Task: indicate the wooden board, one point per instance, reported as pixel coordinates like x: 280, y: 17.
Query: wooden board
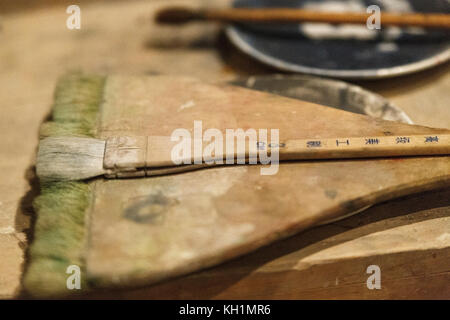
x: 45, y: 49
x: 172, y: 225
x: 330, y: 262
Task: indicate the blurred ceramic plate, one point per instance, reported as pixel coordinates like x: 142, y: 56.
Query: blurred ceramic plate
x: 327, y: 92
x: 344, y: 51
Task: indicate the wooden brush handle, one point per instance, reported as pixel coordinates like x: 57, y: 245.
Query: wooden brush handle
x: 365, y: 147
x: 130, y: 156
x: 299, y: 15
x: 285, y: 15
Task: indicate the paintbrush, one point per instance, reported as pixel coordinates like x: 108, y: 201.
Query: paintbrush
x: 73, y: 158
x: 181, y: 15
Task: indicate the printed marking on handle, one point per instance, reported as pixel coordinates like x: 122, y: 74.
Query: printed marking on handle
x: 398, y: 141
x: 349, y: 147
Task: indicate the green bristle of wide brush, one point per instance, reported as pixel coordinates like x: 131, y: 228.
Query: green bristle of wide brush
x: 59, y: 236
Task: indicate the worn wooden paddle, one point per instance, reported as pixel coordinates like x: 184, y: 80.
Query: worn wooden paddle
x: 132, y: 232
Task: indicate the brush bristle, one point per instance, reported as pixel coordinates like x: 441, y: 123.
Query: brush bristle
x: 70, y: 158
x: 176, y: 16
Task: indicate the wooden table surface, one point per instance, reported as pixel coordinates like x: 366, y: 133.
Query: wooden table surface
x: 325, y: 262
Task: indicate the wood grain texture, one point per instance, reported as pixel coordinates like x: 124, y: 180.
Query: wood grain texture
x: 328, y: 262
x: 177, y: 224
x: 134, y: 47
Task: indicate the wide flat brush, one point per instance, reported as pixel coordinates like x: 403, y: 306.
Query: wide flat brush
x: 72, y: 158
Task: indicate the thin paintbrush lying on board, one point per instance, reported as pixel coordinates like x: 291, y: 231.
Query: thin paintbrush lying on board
x: 70, y: 158
x: 180, y: 15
